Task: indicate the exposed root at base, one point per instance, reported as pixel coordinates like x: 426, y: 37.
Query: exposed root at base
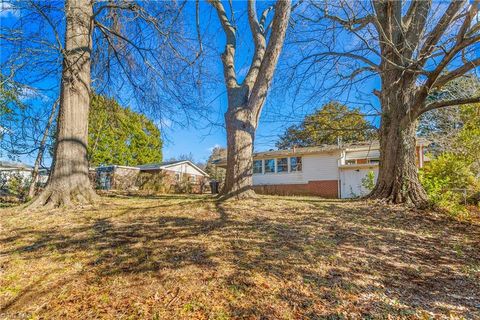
x: 409, y: 200
x: 52, y: 198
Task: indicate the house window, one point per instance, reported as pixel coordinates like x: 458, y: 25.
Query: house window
x: 351, y: 161
x: 193, y: 178
x: 282, y: 165
x: 374, y: 161
x: 257, y: 166
x: 269, y: 165
x: 295, y: 164
x: 177, y: 176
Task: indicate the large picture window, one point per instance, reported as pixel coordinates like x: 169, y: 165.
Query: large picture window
x: 295, y: 164
x: 282, y: 165
x: 269, y: 165
x: 257, y: 166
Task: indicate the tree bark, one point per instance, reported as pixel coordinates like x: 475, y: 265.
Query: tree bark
x: 33, y: 185
x: 240, y: 138
x: 246, y: 100
x: 69, y: 183
x: 398, y: 180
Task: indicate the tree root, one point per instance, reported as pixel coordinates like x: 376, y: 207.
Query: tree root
x: 411, y: 198
x: 55, y: 197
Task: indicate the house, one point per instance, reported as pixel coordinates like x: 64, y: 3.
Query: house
x: 114, y: 177
x: 329, y: 171
x: 21, y: 171
x: 179, y: 174
x: 171, y: 174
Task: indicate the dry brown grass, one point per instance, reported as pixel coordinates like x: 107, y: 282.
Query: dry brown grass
x: 174, y: 257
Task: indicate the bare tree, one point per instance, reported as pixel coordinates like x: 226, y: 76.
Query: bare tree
x: 246, y: 99
x: 124, y: 50
x: 414, y: 48
x: 69, y: 174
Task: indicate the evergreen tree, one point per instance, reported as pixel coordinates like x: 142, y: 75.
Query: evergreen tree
x: 121, y: 136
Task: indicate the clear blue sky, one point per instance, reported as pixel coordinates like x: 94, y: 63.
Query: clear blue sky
x: 204, y: 133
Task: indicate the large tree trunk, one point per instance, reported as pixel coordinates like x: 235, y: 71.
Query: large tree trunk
x: 69, y: 183
x: 398, y: 175
x: 240, y: 138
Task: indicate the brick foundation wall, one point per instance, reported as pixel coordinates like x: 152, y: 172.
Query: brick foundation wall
x: 323, y: 188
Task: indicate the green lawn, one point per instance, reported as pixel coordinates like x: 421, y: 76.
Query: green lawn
x: 174, y: 257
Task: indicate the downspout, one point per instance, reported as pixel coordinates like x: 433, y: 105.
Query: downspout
x: 339, y: 163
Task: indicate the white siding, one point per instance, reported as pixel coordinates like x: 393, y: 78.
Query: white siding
x: 322, y: 166
x: 184, y: 168
x: 351, y: 181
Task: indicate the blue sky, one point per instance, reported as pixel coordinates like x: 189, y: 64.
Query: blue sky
x: 282, y: 108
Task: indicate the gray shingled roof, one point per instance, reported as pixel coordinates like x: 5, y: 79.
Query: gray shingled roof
x: 14, y: 165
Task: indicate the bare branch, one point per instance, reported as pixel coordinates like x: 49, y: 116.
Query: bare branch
x: 447, y: 103
x: 469, y: 65
x: 434, y: 36
x: 272, y: 54
x: 228, y: 56
x: 259, y: 42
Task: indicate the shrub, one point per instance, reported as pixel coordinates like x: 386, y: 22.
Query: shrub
x: 184, y: 185
x: 368, y: 182
x: 156, y: 182
x: 16, y: 185
x: 444, y: 180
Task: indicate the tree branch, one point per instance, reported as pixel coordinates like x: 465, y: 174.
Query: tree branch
x: 228, y: 56
x: 414, y: 23
x: 272, y: 54
x: 447, y: 103
x: 456, y: 73
x: 259, y: 42
x: 347, y: 55
x: 435, y: 35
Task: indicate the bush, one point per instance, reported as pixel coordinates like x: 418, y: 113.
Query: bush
x: 16, y: 185
x: 157, y: 182
x: 368, y: 182
x: 445, y: 178
x: 184, y: 185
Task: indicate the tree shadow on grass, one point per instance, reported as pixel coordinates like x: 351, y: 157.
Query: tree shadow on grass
x: 316, y: 257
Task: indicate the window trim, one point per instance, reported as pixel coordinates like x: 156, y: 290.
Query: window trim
x: 274, y: 166
x: 262, y: 167
x: 296, y: 164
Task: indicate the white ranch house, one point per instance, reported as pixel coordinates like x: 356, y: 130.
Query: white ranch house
x: 329, y: 171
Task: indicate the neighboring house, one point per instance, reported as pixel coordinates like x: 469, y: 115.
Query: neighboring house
x: 180, y: 172
x: 10, y: 170
x: 174, y: 173
x: 329, y: 171
x: 115, y: 177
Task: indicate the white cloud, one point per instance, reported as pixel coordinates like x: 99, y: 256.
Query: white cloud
x: 215, y: 146
x: 163, y: 123
x: 7, y: 10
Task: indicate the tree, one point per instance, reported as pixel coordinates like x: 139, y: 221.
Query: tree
x: 215, y: 172
x: 442, y: 126
x: 246, y: 98
x: 121, y: 136
x: 414, y: 48
x: 328, y: 125
x: 41, y: 149
x: 69, y: 174
x: 122, y: 45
